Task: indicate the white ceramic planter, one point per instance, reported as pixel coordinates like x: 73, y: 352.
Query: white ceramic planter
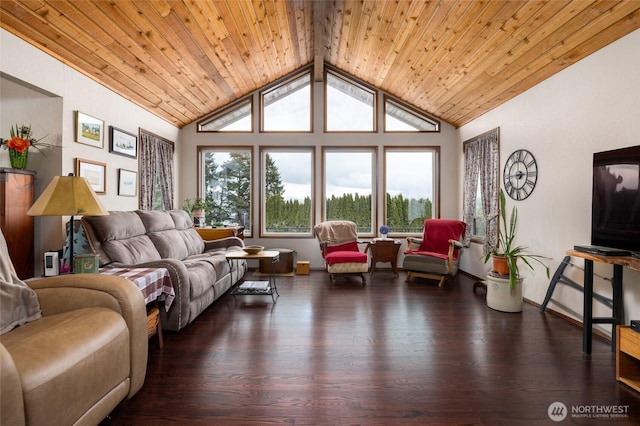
x: 502, y: 298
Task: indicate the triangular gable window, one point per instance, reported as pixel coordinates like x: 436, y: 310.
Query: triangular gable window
x: 236, y: 118
x: 399, y: 117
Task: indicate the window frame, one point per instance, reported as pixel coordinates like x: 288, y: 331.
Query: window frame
x: 202, y: 149
x: 410, y: 109
x: 357, y: 83
x: 263, y: 150
x: 436, y: 182
x: 374, y: 173
x: 276, y: 85
x: 224, y: 111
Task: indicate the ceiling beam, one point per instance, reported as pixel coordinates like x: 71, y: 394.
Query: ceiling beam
x: 318, y: 40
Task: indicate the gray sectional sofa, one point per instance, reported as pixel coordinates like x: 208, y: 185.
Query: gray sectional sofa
x: 199, y: 271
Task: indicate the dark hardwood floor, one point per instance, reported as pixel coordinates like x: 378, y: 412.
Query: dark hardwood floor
x: 387, y: 353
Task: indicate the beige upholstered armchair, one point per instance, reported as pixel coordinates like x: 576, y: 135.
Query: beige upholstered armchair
x: 71, y: 346
x: 339, y: 245
x: 437, y: 254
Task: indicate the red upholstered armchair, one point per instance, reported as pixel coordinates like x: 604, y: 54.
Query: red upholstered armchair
x: 436, y: 255
x: 339, y: 245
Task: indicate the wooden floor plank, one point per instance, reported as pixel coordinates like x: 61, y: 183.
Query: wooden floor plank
x: 385, y: 353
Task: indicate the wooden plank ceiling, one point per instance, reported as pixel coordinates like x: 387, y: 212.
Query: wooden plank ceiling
x: 182, y: 59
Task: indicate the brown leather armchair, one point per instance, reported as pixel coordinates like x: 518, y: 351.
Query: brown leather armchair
x: 87, y: 353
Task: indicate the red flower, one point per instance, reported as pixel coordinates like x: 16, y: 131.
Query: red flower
x: 19, y: 144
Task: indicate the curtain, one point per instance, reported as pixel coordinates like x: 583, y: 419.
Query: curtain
x: 481, y: 162
x: 156, y: 172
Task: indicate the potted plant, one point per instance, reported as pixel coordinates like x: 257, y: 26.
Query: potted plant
x: 507, y: 253
x: 197, y: 207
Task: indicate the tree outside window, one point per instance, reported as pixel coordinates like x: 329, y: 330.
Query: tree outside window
x: 227, y: 186
x: 348, y: 186
x: 287, y: 191
x: 409, y: 188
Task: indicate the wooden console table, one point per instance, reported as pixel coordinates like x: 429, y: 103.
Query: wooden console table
x: 209, y: 234
x: 617, y: 317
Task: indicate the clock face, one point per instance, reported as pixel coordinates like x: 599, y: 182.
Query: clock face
x: 520, y: 174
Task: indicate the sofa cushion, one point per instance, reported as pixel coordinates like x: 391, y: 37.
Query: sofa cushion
x: 169, y: 244
x: 191, y: 238
x: 202, y: 274
x: 193, y: 241
x: 121, y: 237
x: 69, y: 361
x: 132, y: 250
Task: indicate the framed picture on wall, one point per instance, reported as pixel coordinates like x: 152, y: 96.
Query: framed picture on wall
x: 96, y: 174
x: 89, y: 130
x: 127, y: 183
x: 123, y: 143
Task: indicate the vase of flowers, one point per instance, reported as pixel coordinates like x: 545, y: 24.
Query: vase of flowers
x: 18, y: 145
x: 384, y: 230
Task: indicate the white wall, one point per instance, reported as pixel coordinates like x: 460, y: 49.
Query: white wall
x: 37, y: 89
x: 307, y: 248
x: 591, y: 106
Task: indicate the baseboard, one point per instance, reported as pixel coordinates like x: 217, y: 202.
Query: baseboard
x: 569, y: 319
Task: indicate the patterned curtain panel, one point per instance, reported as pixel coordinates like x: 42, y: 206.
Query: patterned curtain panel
x: 156, y: 173
x: 482, y: 162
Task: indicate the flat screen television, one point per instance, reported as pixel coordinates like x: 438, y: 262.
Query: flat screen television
x: 615, y: 218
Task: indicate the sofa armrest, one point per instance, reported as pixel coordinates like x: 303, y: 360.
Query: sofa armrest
x: 11, y: 398
x: 223, y: 243
x: 413, y: 243
x: 178, y: 315
x: 65, y: 293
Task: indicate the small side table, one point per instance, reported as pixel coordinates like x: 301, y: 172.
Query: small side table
x: 255, y: 288
x: 384, y: 251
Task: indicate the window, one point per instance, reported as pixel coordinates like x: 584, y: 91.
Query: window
x: 156, y: 172
x: 410, y: 188
x: 349, y: 106
x: 399, y: 117
x: 236, y: 118
x: 349, y: 186
x: 478, y: 227
x: 287, y: 106
x: 226, y: 185
x: 480, y: 186
x: 287, y: 193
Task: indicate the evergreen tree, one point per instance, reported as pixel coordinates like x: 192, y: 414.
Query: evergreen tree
x: 273, y: 180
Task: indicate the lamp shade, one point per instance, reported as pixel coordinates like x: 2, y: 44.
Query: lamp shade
x: 68, y: 196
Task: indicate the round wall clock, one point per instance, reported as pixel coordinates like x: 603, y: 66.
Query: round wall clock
x: 520, y: 174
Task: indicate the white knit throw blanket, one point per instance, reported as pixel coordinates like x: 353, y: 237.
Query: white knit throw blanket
x: 18, y: 302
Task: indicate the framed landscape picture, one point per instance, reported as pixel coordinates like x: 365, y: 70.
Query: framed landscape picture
x: 96, y: 174
x: 123, y: 143
x: 127, y: 183
x: 89, y: 130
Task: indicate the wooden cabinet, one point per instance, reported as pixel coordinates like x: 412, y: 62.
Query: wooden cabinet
x: 628, y: 357
x: 16, y: 197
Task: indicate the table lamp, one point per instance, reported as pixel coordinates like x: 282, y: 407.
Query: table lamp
x: 68, y: 196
